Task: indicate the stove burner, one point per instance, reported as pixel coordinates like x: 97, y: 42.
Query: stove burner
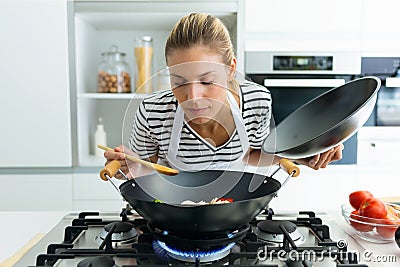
x: 192, y: 256
x: 269, y: 231
x: 196, y: 247
x: 124, y: 233
x: 100, y: 261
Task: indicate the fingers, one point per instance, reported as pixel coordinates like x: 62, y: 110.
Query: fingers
x: 130, y: 168
x: 119, y: 149
x: 327, y: 157
x: 117, y: 154
x: 126, y: 171
x: 112, y: 155
x: 338, y: 153
x: 314, y: 161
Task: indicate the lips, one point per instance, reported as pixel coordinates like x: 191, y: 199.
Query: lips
x: 197, y: 111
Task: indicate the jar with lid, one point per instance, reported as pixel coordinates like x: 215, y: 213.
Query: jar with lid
x: 114, y: 74
x: 144, y: 57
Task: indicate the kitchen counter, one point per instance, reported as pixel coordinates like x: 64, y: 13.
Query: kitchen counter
x: 18, y: 228
x: 32, y: 223
x: 372, y: 254
x: 327, y: 189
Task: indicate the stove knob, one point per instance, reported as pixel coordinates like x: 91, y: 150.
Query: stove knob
x: 397, y: 237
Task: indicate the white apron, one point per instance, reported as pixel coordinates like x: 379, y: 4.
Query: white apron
x: 176, y: 136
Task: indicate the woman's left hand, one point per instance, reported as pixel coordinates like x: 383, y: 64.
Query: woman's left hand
x: 322, y: 160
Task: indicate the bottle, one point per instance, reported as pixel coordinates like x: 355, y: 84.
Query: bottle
x: 100, y: 138
x: 144, y: 58
x: 113, y: 75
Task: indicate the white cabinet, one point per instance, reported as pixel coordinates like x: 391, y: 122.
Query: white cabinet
x: 378, y: 146
x: 93, y: 194
x: 381, y: 31
x: 309, y: 25
x: 35, y: 99
x: 96, y: 26
x: 368, y: 26
x: 302, y: 16
x: 38, y: 191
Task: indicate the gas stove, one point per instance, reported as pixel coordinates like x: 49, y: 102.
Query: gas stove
x: 126, y: 239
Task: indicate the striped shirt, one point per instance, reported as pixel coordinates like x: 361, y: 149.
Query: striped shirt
x: 151, y: 131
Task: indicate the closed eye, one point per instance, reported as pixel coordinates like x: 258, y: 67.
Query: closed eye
x: 207, y: 83
x: 178, y: 84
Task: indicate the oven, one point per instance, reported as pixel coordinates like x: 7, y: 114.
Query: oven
x: 387, y: 111
x: 296, y: 78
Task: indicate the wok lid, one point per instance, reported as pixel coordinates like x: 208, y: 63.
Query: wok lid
x: 325, y: 121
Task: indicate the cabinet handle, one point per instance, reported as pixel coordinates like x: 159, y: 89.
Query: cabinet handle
x: 373, y: 145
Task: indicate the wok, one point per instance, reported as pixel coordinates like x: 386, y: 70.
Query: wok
x: 325, y: 121
x: 183, y: 219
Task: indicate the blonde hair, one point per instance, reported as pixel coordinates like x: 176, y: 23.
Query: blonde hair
x: 203, y: 30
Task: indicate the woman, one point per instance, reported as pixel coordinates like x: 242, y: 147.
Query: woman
x: 208, y: 120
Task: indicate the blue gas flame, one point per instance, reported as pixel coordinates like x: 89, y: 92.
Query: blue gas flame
x: 195, y: 254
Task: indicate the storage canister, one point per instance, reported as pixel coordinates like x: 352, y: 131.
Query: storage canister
x: 144, y: 58
x: 114, y: 74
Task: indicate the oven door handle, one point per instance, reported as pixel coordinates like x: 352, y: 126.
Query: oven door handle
x: 392, y: 82
x: 304, y: 82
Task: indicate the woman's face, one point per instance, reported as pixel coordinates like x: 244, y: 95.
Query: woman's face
x: 199, y: 81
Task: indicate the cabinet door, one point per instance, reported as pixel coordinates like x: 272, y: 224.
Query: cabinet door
x: 378, y: 152
x: 308, y: 25
x: 101, y: 196
x: 378, y: 146
x: 35, y: 110
x: 36, y: 192
x: 381, y: 31
x: 302, y: 16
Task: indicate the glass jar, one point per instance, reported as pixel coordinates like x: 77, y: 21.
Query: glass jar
x: 144, y: 58
x: 163, y: 80
x: 114, y: 74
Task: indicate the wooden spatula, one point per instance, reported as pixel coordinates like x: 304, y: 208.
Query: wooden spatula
x: 159, y: 168
x: 393, y: 199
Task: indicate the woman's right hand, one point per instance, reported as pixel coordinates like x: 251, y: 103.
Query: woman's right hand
x: 131, y: 169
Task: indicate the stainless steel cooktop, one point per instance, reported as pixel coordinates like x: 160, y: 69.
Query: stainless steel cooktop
x: 294, y: 239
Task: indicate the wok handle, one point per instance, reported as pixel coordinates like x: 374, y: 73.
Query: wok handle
x: 110, y: 169
x: 290, y: 167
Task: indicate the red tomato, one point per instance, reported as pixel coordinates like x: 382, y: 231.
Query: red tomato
x: 230, y: 200
x: 357, y: 197
x: 373, y: 208
x: 388, y: 230
x: 358, y: 225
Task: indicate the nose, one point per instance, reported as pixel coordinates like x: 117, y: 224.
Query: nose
x: 195, y: 90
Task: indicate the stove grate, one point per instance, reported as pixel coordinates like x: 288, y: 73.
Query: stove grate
x: 244, y: 253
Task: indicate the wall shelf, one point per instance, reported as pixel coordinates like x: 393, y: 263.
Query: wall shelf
x: 111, y: 96
x: 97, y: 25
